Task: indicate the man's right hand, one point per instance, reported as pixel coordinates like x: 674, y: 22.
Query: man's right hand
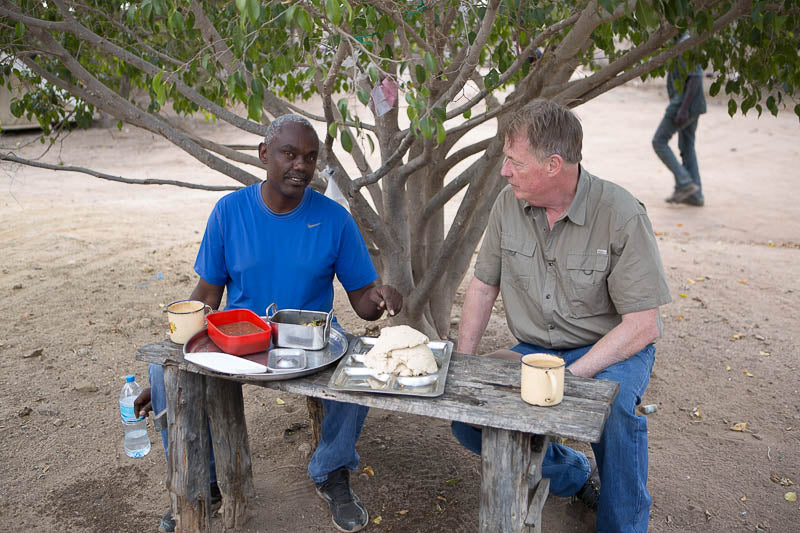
x: 142, y: 404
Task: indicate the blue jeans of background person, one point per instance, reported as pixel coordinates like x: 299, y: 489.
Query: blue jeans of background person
x: 621, y: 453
x: 687, y: 172
x: 341, y: 427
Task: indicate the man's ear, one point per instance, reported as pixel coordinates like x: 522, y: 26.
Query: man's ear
x: 262, y: 152
x: 554, y: 164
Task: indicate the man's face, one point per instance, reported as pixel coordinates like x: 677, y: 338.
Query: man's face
x: 527, y: 176
x: 291, y: 157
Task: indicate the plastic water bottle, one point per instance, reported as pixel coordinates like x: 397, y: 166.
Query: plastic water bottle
x: 137, y: 443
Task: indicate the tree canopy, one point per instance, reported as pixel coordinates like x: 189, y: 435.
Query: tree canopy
x: 400, y: 86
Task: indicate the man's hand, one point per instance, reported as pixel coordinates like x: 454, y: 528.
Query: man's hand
x: 386, y: 297
x: 142, y: 404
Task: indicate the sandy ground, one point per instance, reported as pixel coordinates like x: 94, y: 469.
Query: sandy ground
x: 87, y: 265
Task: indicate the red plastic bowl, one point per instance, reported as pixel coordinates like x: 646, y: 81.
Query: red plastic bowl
x: 238, y: 344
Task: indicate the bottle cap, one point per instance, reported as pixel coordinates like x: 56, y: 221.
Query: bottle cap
x: 129, y: 378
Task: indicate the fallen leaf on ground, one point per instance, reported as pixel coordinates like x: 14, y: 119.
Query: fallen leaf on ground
x: 708, y: 515
x: 765, y: 354
x: 377, y: 520
x: 738, y: 336
x: 743, y: 281
x: 697, y: 413
x: 453, y: 481
x: 739, y: 426
x: 728, y: 368
x: 36, y: 353
x: 780, y: 480
x: 748, y: 373
x: 369, y: 471
x: 404, y: 511
x: 743, y: 499
x: 691, y: 281
x: 679, y: 317
x: 790, y: 496
x: 279, y: 401
x: 682, y: 295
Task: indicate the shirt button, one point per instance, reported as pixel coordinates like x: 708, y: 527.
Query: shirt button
x: 550, y: 264
x: 550, y: 326
x: 547, y: 297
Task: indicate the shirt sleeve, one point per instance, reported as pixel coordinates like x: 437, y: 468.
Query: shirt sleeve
x: 353, y: 265
x: 637, y: 281
x: 488, y: 266
x: 210, y: 263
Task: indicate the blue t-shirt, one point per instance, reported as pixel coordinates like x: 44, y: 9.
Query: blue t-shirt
x: 288, y: 259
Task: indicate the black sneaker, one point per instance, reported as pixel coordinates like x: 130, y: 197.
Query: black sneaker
x: 589, y: 494
x: 347, y: 512
x: 682, y: 193
x: 167, y: 524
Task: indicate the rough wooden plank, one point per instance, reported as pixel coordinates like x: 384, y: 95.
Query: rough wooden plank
x: 479, y: 390
x: 316, y: 411
x: 505, y: 457
x: 231, y: 449
x: 187, y: 481
x: 534, y: 518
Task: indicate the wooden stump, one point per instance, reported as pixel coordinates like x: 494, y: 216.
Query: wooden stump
x: 188, y: 482
x: 505, y: 463
x: 231, y: 449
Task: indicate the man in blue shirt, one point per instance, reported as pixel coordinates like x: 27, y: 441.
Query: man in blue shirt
x: 686, y: 104
x: 281, y: 242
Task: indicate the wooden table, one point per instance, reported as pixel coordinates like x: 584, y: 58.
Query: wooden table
x: 479, y: 390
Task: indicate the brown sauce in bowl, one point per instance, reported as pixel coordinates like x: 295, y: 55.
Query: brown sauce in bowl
x: 236, y: 329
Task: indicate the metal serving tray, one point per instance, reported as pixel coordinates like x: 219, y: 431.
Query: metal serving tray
x: 316, y: 360
x: 352, y: 375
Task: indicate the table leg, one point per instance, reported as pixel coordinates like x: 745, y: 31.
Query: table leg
x: 316, y: 411
x: 187, y: 464
x: 505, y: 463
x: 540, y: 486
x: 225, y: 407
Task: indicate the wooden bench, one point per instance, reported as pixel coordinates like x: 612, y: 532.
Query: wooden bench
x: 479, y: 390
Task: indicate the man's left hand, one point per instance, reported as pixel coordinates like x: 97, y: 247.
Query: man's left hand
x: 386, y: 297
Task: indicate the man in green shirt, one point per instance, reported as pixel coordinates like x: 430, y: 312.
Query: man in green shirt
x: 576, y: 261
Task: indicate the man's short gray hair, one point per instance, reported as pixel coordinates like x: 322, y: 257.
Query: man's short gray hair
x: 550, y: 128
x: 276, y: 125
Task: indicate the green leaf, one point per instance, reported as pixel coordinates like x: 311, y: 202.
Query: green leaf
x: 254, y: 107
x: 441, y: 134
x: 157, y: 81
x: 492, y: 79
x: 347, y: 141
x: 426, y: 127
x: 732, y: 107
x: 467, y: 114
x: 257, y: 88
x: 342, y: 106
x: 772, y: 106
x: 421, y: 75
x: 371, y: 144
x: 430, y: 62
x: 645, y: 14
x: 20, y: 28
x: 332, y: 129
x: 334, y: 12
x: 302, y: 18
x: 253, y: 10
x: 363, y: 96
x: 373, y: 73
x: 176, y: 21
x: 241, y: 5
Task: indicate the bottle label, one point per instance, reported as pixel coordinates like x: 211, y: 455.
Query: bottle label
x: 127, y: 413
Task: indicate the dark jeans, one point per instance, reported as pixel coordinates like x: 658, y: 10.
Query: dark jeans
x: 686, y: 172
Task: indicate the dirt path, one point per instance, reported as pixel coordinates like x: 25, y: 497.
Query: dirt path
x: 86, y: 265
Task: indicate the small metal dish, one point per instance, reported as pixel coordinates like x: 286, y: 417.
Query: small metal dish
x: 286, y: 360
x: 417, y: 381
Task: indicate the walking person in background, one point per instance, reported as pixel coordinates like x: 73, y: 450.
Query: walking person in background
x: 686, y: 103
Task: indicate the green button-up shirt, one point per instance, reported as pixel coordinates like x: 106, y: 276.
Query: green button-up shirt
x: 567, y: 287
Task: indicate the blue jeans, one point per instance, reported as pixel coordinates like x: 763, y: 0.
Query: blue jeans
x: 341, y: 427
x: 621, y: 453
x: 687, y: 172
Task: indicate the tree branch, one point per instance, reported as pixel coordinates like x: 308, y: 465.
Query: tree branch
x: 14, y: 159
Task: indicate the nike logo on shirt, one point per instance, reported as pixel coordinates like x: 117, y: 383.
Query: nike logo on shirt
x: 313, y: 225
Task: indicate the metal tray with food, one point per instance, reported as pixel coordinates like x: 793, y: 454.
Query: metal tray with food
x: 352, y: 375
x: 276, y: 363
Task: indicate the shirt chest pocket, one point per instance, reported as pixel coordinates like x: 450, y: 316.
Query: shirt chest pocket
x: 517, y: 261
x: 586, y: 279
